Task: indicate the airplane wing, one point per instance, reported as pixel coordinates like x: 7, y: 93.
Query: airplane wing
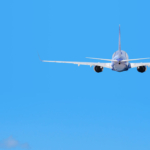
x: 105, y: 65
x: 133, y: 65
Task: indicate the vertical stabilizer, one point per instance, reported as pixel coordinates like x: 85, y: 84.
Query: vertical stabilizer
x: 119, y: 48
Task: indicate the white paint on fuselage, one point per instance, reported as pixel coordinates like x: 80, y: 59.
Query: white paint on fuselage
x: 120, y: 66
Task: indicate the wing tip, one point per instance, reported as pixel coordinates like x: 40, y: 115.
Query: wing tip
x: 39, y: 57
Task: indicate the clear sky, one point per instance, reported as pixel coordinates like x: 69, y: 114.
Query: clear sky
x: 46, y: 106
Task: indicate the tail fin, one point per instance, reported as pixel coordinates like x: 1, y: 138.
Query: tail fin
x: 119, y: 47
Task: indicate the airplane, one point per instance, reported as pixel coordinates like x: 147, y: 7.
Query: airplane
x: 120, y: 62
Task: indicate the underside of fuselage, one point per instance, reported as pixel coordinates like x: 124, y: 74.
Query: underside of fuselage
x: 120, y: 67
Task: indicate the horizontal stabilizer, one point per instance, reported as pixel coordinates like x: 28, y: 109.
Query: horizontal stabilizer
x: 102, y: 59
x: 135, y: 59
x: 116, y: 60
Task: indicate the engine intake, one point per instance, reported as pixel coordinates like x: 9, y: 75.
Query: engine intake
x: 98, y: 69
x: 141, y: 69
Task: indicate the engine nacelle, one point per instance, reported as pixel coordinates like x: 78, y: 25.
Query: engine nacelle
x: 98, y: 69
x: 141, y: 69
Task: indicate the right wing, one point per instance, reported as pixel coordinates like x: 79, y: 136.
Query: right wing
x: 133, y: 65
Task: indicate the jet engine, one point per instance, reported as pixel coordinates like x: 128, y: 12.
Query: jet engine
x: 98, y: 69
x: 141, y: 69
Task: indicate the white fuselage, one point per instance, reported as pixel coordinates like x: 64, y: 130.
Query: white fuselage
x: 119, y: 65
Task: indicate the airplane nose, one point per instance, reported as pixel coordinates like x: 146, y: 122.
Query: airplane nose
x: 119, y: 62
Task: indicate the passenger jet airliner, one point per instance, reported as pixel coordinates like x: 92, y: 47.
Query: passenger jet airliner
x: 119, y: 62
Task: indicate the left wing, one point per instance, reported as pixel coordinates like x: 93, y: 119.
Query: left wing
x: 106, y: 65
x: 133, y: 65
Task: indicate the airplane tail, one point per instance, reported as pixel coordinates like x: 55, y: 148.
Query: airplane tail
x: 119, y: 47
x: 119, y: 50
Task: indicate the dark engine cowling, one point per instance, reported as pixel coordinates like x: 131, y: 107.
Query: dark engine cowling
x: 141, y: 69
x: 98, y: 69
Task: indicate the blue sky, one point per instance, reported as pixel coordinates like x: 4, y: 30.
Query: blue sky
x: 62, y: 106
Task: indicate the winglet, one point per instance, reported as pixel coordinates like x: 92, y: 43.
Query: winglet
x: 39, y: 56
